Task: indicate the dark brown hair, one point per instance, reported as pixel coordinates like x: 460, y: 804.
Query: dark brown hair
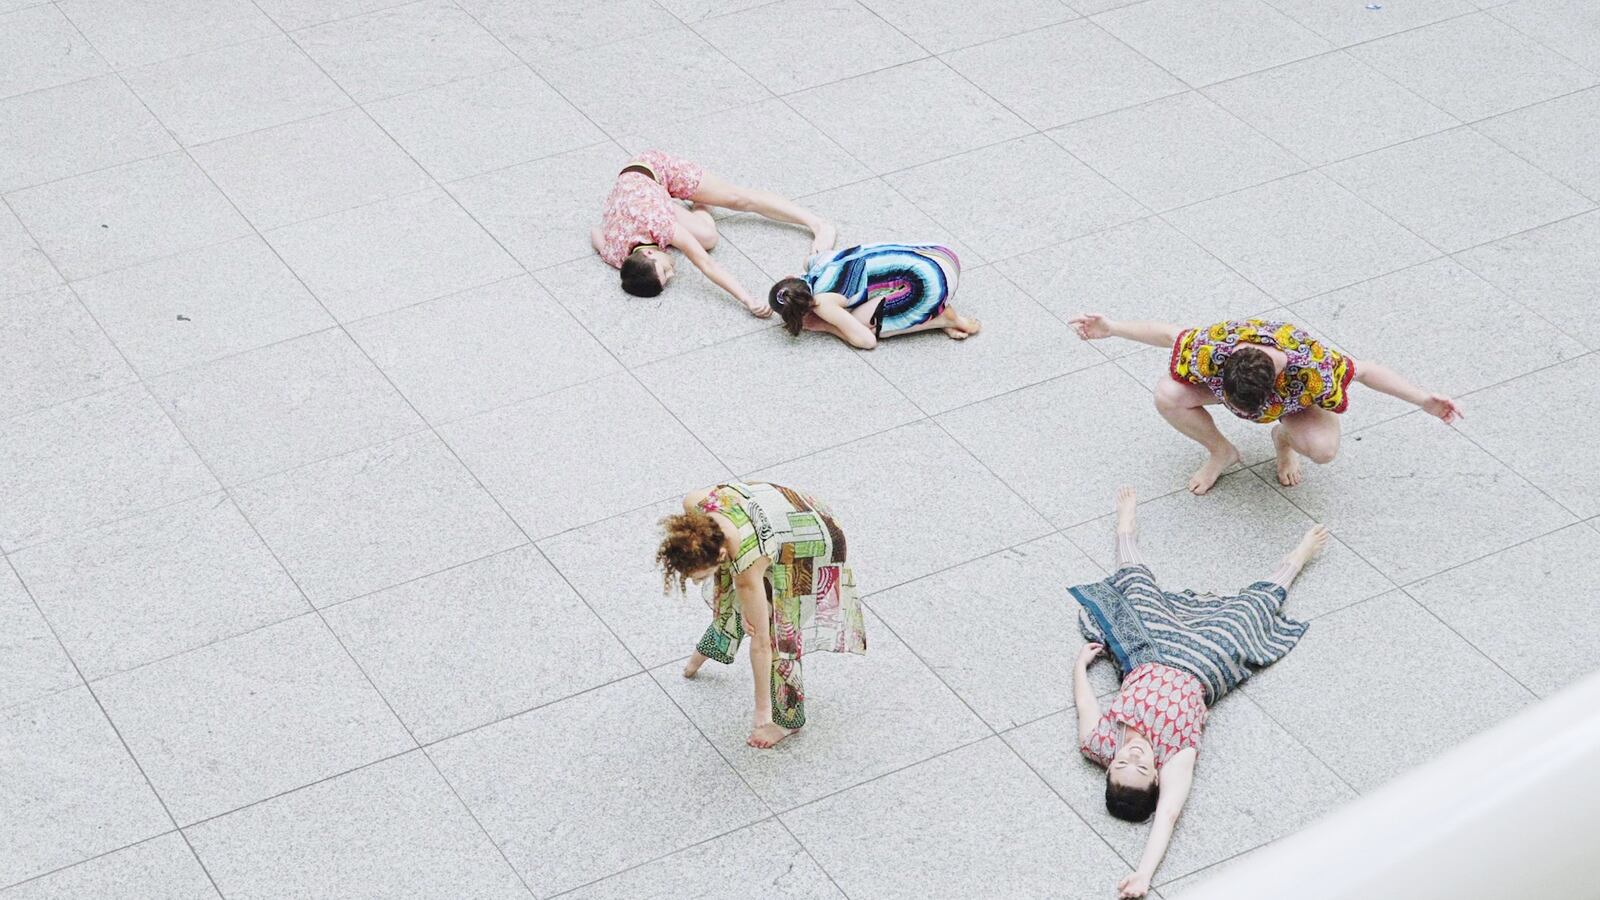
x: 1248, y: 379
x: 791, y: 299
x: 692, y: 542
x: 639, y: 276
x: 1131, y: 804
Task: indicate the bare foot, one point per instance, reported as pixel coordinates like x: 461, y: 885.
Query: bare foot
x: 1288, y: 460
x: 767, y: 736
x: 964, y: 328
x: 1310, y: 546
x: 826, y: 236
x: 1207, y: 475
x: 1127, y: 500
x: 692, y: 667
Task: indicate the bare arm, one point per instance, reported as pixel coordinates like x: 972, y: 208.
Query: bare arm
x: 1094, y: 326
x: 1083, y: 695
x: 1177, y: 776
x: 596, y: 239
x: 845, y: 326
x: 1385, y: 380
x: 684, y: 240
x: 752, y: 592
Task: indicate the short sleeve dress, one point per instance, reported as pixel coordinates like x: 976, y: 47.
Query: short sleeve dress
x: 1167, y: 705
x: 1315, y: 376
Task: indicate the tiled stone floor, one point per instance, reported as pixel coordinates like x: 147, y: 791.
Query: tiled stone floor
x: 330, y: 456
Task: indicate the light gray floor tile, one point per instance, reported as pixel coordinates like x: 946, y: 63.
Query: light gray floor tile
x: 888, y: 838
x: 156, y: 585
x: 233, y: 297
x: 1458, y: 189
x: 125, y: 215
x: 75, y: 128
x: 32, y: 663
x: 487, y: 347
x: 1263, y: 528
x: 284, y: 406
x: 1542, y: 425
x: 137, y: 33
x: 860, y: 111
x: 51, y: 350
x: 1551, y: 270
x: 540, y: 30
x: 90, y: 461
x: 1253, y: 782
x: 542, y: 211
x: 232, y: 90
x: 691, y: 313
x: 604, y: 81
x: 478, y: 643
x: 1474, y: 66
x: 822, y: 381
x: 1569, y: 27
x: 1145, y: 269
x: 1025, y: 588
x: 1329, y: 107
x: 889, y: 508
x: 761, y: 859
x: 373, y: 259
x: 42, y: 49
x: 159, y: 867
x: 1352, y: 23
x: 405, y: 48
x: 491, y: 121
x: 1021, y: 344
x: 1176, y: 151
x: 1381, y: 687
x: 293, y: 14
x: 865, y: 716
x: 695, y: 10
x: 375, y: 518
x: 567, y: 810
x: 79, y: 795
x: 802, y: 161
x: 1091, y: 73
x: 612, y: 566
x: 1210, y: 42
x: 1300, y: 236
x: 1379, y: 320
x: 1556, y: 136
x: 392, y: 829
x: 1415, y: 469
x: 309, y: 168
x: 827, y: 34
x: 1038, y: 441
x: 1017, y: 196
x: 944, y: 25
x: 555, y: 464
x: 865, y: 212
x: 1511, y: 604
x: 250, y: 717
x: 23, y: 266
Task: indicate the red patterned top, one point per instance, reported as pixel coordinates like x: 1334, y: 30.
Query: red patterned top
x: 1167, y: 705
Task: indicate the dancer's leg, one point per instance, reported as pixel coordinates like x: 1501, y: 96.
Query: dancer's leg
x: 699, y: 223
x: 716, y: 191
x: 1127, y: 529
x: 1312, y: 433
x: 1183, y: 406
x: 1311, y: 544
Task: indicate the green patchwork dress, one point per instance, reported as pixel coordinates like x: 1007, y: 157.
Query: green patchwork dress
x: 811, y: 593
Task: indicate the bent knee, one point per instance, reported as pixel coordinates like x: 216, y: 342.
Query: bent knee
x: 1321, y: 451
x: 1171, y: 397
x: 709, y: 237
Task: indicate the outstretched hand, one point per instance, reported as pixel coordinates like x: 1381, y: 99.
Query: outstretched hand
x: 1442, y: 407
x: 1135, y: 884
x: 758, y: 309
x: 1091, y: 326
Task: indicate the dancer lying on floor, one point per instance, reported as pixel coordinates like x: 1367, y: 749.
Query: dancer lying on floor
x: 1178, y: 654
x: 777, y: 558
x: 642, y: 219
x: 872, y: 291
x: 1264, y: 371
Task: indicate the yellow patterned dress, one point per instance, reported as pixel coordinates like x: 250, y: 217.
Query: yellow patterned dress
x: 811, y: 593
x: 1314, y: 376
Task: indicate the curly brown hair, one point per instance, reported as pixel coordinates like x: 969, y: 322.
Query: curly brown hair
x: 692, y: 542
x: 1248, y: 379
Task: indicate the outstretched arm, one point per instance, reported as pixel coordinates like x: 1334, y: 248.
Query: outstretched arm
x: 684, y: 240
x: 1177, y: 776
x: 1094, y: 326
x: 1083, y: 695
x: 1385, y: 380
x: 596, y: 239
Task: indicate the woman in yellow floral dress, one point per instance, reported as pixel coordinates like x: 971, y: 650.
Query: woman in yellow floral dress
x: 774, y: 560
x: 1264, y: 371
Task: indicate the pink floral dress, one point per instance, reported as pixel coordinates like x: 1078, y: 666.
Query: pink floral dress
x: 639, y: 209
